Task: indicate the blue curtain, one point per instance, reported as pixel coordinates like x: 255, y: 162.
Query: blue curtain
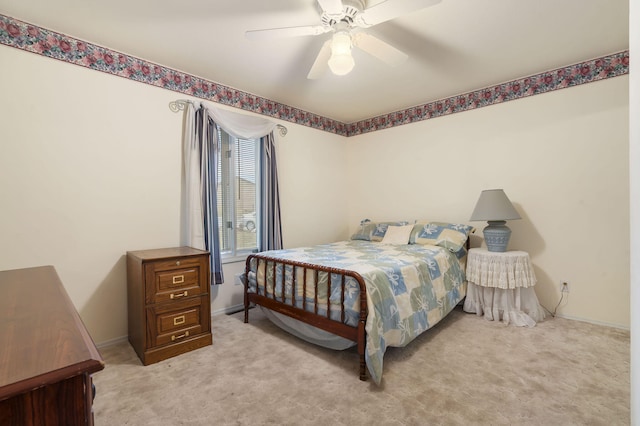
x: 270, y: 229
x: 207, y: 138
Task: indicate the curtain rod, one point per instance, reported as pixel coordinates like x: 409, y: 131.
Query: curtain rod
x: 180, y: 105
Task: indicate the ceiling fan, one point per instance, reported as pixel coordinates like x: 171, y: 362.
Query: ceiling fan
x: 346, y: 19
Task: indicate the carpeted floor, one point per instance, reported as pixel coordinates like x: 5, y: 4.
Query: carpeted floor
x: 464, y: 371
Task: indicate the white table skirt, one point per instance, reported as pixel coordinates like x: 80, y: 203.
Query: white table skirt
x: 510, y: 269
x: 518, y: 306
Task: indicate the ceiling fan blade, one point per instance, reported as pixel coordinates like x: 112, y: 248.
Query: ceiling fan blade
x: 321, y: 63
x: 331, y: 7
x: 273, y: 33
x: 391, y: 9
x: 379, y: 49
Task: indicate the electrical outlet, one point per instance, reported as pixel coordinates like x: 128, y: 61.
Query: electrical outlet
x: 564, y: 287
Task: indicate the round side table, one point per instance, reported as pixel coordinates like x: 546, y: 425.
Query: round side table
x: 500, y: 287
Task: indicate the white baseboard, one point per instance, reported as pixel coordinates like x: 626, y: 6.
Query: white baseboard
x: 228, y: 310
x: 606, y: 324
x: 237, y: 308
x: 112, y: 342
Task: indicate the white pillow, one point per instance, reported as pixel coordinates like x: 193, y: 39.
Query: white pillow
x: 397, y: 235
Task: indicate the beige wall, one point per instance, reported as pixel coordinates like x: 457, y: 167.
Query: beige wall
x: 90, y: 168
x: 561, y: 157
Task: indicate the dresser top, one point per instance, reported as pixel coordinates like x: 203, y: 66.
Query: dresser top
x: 166, y: 253
x: 42, y: 338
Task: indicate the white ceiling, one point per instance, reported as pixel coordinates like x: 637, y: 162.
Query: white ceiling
x: 454, y: 47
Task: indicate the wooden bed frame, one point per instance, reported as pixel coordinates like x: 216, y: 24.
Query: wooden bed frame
x: 281, y: 304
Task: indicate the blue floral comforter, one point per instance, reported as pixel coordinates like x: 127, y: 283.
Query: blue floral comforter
x: 410, y: 288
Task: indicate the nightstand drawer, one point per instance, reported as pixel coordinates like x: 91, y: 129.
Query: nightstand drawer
x: 176, y: 279
x: 175, y: 322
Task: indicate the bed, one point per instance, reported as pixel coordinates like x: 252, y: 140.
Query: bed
x: 384, y: 287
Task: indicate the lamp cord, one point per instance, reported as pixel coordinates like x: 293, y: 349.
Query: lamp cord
x: 553, y: 314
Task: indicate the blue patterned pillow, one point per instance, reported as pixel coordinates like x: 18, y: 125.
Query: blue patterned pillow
x: 451, y: 236
x: 374, y: 231
x: 365, y: 230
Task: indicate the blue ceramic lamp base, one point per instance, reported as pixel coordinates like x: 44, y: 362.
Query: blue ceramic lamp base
x: 497, y: 235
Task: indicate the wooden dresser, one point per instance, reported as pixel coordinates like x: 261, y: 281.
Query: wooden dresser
x: 46, y: 354
x: 169, y: 302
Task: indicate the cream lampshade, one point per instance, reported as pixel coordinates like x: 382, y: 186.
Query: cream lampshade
x: 494, y: 207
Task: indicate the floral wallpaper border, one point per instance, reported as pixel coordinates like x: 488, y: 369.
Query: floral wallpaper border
x: 573, y: 75
x: 21, y: 35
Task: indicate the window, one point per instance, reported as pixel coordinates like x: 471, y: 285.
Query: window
x: 238, y: 195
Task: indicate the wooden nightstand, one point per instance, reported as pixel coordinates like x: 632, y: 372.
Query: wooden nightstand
x: 500, y: 287
x: 169, y: 302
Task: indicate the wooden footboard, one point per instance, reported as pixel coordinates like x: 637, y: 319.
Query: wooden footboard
x: 286, y: 304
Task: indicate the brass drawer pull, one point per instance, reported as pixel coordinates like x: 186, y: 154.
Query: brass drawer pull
x: 177, y: 295
x: 181, y: 336
x: 179, y: 320
x: 178, y: 279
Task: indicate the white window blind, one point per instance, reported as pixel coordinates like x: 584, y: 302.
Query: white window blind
x: 238, y: 187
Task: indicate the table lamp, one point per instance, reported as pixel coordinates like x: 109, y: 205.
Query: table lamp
x: 494, y: 207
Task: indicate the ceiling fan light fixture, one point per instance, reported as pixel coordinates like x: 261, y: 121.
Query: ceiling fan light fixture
x: 341, y: 62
